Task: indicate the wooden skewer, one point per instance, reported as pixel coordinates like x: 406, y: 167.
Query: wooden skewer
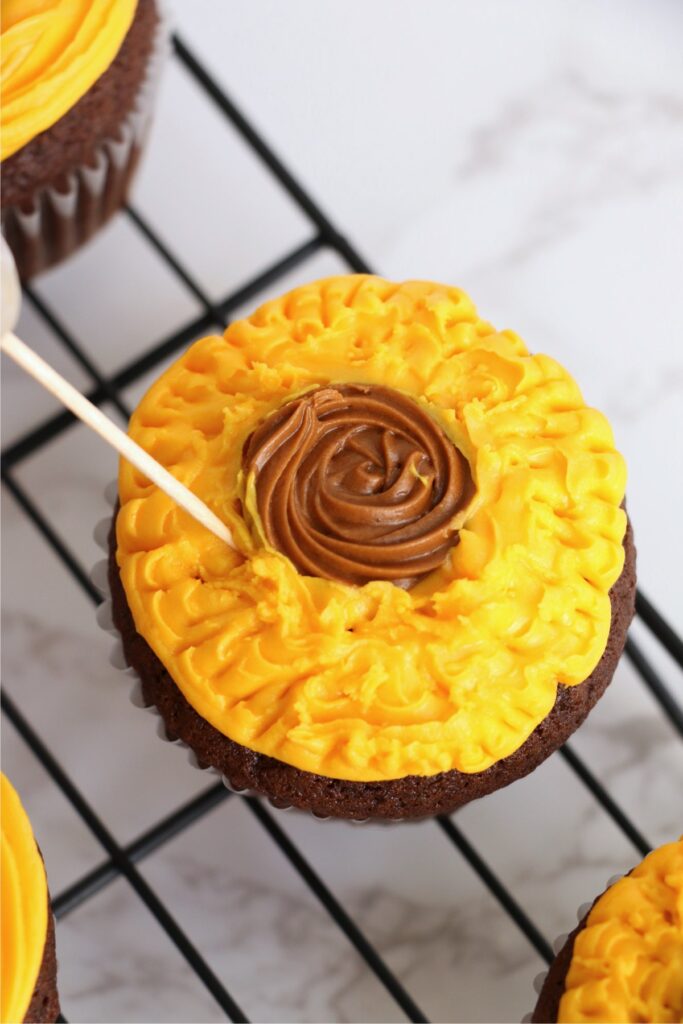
x: 93, y: 417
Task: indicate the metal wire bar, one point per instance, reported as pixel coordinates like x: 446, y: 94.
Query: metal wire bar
x: 657, y: 687
x: 496, y: 888
x: 126, y: 868
x: 176, y: 266
x: 150, y: 840
x: 52, y: 538
x: 75, y: 349
x: 55, y: 425
x: 275, y: 165
x: 656, y: 622
x: 336, y: 911
x: 605, y: 800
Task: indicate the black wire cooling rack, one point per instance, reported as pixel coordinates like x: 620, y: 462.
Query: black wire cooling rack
x: 121, y: 860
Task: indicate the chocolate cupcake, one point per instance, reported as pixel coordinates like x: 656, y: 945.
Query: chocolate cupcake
x: 433, y: 574
x: 28, y: 961
x: 624, y: 961
x: 78, y: 82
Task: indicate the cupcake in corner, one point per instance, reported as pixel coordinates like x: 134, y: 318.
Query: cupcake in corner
x: 433, y: 570
x: 624, y: 961
x: 27, y: 959
x: 77, y: 84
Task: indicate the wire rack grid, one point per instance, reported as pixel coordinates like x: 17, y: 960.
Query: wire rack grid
x: 120, y: 861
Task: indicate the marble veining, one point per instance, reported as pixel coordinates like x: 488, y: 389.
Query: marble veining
x: 560, y: 122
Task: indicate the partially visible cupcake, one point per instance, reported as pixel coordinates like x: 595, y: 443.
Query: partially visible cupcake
x: 77, y: 88
x: 624, y: 961
x: 28, y: 962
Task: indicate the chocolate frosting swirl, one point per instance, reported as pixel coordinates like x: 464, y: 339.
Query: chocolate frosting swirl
x: 357, y: 483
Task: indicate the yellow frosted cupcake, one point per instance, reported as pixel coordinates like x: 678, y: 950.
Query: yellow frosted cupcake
x: 624, y: 961
x: 434, y: 573
x: 28, y: 962
x: 77, y: 81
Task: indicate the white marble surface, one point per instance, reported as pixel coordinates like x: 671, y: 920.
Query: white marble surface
x: 530, y: 152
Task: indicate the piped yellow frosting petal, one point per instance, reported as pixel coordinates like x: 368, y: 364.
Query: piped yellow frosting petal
x: 23, y: 887
x: 52, y: 52
x: 373, y: 682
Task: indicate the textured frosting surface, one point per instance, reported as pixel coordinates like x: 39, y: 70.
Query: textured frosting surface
x: 24, y: 907
x: 627, y: 963
x: 356, y: 483
x: 375, y: 682
x: 52, y: 52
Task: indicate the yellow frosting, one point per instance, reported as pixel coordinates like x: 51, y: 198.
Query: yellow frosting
x: 375, y: 682
x: 627, y: 963
x: 24, y: 907
x: 53, y: 51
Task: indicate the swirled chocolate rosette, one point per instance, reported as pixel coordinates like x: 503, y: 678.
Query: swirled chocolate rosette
x: 357, y: 483
x: 434, y: 570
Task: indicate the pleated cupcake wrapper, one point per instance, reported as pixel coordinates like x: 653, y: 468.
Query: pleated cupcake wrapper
x: 539, y: 980
x: 93, y: 191
x: 117, y: 658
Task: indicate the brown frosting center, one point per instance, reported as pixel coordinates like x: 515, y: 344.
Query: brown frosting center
x: 357, y: 483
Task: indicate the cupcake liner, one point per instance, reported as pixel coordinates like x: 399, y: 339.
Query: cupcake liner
x: 99, y: 577
x: 558, y: 943
x: 63, y: 216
